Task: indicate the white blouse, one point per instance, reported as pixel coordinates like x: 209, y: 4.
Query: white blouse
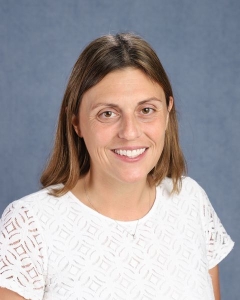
x: 58, y: 248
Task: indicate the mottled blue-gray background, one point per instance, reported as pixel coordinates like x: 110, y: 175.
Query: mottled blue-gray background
x: 198, y: 43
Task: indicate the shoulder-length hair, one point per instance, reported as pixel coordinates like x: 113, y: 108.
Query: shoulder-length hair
x: 70, y: 158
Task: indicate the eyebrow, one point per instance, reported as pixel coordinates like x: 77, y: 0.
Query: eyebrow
x: 116, y: 106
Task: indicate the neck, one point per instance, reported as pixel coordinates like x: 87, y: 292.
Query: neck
x: 117, y: 200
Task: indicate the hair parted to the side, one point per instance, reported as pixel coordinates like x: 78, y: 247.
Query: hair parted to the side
x: 70, y: 159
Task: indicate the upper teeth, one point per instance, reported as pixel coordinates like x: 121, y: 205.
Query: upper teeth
x: 130, y: 153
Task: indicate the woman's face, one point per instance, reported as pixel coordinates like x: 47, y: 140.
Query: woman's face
x: 123, y: 120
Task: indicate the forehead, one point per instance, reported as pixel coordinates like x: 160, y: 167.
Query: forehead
x: 128, y: 83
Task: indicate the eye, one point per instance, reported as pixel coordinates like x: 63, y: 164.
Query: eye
x: 147, y: 110
x: 108, y: 114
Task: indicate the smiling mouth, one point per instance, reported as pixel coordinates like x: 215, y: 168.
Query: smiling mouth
x: 130, y: 153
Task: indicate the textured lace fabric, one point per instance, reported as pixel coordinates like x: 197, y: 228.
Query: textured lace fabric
x: 59, y: 249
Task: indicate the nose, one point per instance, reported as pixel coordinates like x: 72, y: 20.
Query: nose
x: 130, y: 128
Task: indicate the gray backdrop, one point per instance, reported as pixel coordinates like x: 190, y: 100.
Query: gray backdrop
x: 198, y: 43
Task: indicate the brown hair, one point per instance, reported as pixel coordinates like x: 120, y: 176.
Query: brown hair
x: 70, y: 159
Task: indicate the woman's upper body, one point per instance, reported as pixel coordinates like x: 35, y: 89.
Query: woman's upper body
x: 116, y: 219
x: 60, y: 248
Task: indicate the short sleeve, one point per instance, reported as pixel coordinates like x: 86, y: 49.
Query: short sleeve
x: 218, y: 242
x: 22, y: 252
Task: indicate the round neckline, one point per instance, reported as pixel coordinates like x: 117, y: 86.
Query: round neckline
x: 92, y: 211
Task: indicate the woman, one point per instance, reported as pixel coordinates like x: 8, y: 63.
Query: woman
x: 116, y: 218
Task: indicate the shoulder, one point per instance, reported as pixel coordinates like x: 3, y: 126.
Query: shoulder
x: 39, y: 205
x: 36, y: 199
x: 189, y: 187
x: 39, y: 212
x: 191, y: 197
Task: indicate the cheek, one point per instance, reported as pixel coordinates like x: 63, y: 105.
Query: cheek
x: 158, y: 129
x: 95, y: 140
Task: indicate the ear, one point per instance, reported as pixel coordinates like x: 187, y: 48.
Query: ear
x: 76, y: 125
x: 169, y: 108
x: 170, y: 104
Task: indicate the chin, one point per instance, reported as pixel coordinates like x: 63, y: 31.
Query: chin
x: 134, y: 178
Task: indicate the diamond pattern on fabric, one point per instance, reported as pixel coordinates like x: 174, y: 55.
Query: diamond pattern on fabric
x: 21, y: 247
x: 58, y: 248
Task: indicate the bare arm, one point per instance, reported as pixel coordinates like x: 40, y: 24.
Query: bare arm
x: 6, y: 294
x: 214, y: 273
